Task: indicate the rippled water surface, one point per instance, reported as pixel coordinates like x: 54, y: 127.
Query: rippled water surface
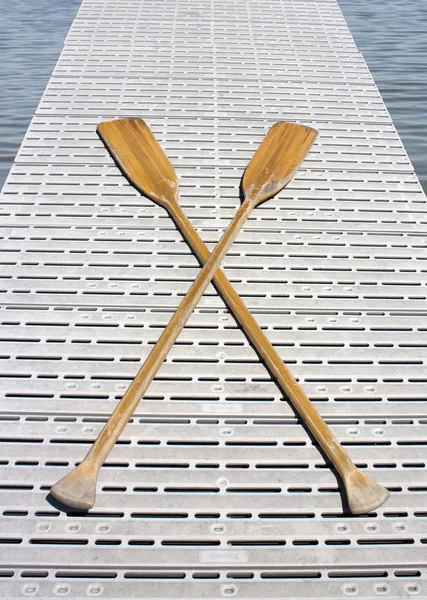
x: 31, y: 36
x: 390, y: 34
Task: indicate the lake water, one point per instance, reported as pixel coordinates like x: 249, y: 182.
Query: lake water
x: 31, y: 38
x: 390, y: 34
x: 392, y: 37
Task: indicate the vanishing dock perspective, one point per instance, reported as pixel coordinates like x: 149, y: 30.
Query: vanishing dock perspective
x: 217, y: 487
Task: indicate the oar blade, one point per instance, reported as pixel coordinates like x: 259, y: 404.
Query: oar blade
x: 277, y: 160
x: 140, y: 158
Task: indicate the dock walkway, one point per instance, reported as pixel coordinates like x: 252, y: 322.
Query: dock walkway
x: 215, y: 488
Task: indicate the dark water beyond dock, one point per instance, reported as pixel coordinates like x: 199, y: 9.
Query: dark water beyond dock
x: 390, y: 34
x: 31, y: 38
x: 392, y: 38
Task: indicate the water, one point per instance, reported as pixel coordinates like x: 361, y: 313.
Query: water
x: 31, y: 36
x: 390, y: 34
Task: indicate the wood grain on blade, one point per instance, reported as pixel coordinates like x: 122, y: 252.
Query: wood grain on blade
x: 140, y: 158
x: 277, y: 160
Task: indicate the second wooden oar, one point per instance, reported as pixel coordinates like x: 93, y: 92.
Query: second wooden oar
x: 143, y: 161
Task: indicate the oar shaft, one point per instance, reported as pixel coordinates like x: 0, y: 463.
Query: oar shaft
x: 308, y: 412
x: 127, y: 405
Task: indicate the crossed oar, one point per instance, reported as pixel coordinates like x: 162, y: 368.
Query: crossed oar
x: 143, y: 161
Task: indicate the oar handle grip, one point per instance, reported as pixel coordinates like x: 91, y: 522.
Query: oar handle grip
x: 363, y: 493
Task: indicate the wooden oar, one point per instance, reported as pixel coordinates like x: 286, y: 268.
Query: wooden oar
x: 141, y: 158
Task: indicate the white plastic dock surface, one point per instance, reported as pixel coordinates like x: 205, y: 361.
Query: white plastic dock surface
x: 215, y: 489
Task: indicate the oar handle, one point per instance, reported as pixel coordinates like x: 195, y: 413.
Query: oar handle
x: 78, y: 488
x: 126, y: 407
x: 372, y: 495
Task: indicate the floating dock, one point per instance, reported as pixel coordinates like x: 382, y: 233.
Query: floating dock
x: 215, y: 488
